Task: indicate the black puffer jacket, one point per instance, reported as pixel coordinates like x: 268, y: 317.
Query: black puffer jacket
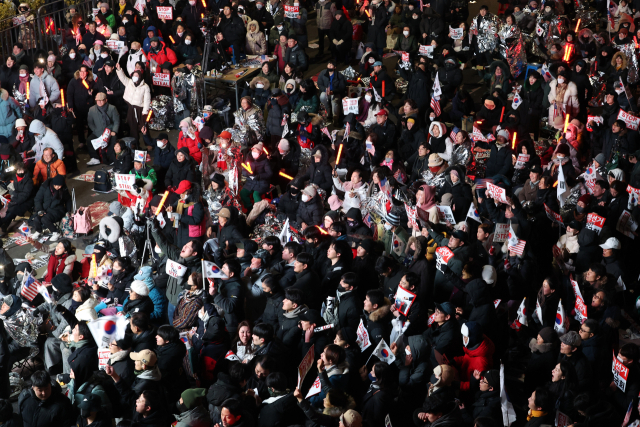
x: 233, y: 29
x: 259, y: 180
x: 461, y: 192
x: 319, y: 173
x: 290, y: 162
x: 289, y: 204
x: 228, y: 235
x: 353, y: 149
x: 121, y: 283
x: 272, y: 309
x: 56, y: 411
x: 450, y: 77
x: 83, y: 361
x: 310, y: 212
x: 419, y: 86
x: 55, y: 203
x: 21, y: 198
x: 500, y: 162
x: 223, y: 389
x: 124, y: 161
x: 143, y: 304
x: 278, y: 107
x: 180, y: 171
x: 173, y: 379
x: 410, y: 140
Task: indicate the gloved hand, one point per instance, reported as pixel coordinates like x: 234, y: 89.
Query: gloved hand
x: 199, y: 145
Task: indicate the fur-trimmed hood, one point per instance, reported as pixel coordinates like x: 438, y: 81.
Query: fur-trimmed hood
x: 256, y: 31
x: 110, y: 223
x: 381, y: 312
x: 290, y: 82
x: 420, y: 245
x: 443, y: 128
x: 259, y: 79
x: 336, y: 411
x: 624, y: 60
x: 540, y: 348
x: 70, y: 259
x: 76, y: 75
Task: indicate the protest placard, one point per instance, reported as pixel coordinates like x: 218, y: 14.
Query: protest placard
x: 443, y: 255
x: 350, y: 105
x: 595, y: 222
x: 501, y: 234
x: 595, y: 119
x: 116, y: 46
x: 161, y: 79
x: 316, y: 388
x: 634, y: 196
x: 362, y: 337
x: 404, y: 300
x: 630, y: 120
x: 175, y: 270
x: 626, y: 225
x: 125, y: 181
x: 291, y: 11
x: 305, y: 365
x: 580, y: 306
x: 620, y: 373
x: 103, y: 357
x: 18, y: 20
x: 522, y: 160
x: 553, y: 216
x: 101, y: 141
x: 164, y: 12
x: 425, y: 50
x: 456, y: 33
x: 446, y: 214
x: 497, y: 193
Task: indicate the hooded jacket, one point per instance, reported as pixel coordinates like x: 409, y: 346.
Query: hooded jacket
x: 46, y: 139
x: 310, y: 212
x: 378, y: 322
x: 9, y: 112
x: 50, y: 86
x: 256, y: 41
x: 44, y: 171
x: 478, y: 358
x: 159, y: 300
x: 320, y: 173
x: 414, y: 377
x: 180, y: 171
x: 259, y: 180
x: 56, y: 203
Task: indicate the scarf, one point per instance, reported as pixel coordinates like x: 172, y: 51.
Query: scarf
x: 560, y: 90
x: 79, y: 344
x: 121, y: 9
x: 535, y: 414
x: 23, y: 84
x: 119, y: 356
x: 181, y: 206
x: 429, y: 197
x: 105, y: 116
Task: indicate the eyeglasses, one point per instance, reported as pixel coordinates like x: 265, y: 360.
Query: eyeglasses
x: 483, y: 381
x: 101, y: 100
x: 582, y: 331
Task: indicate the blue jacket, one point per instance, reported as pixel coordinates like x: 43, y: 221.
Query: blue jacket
x: 146, y: 45
x: 159, y: 300
x: 162, y: 158
x: 9, y: 113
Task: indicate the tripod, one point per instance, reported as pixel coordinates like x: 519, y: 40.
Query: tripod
x: 147, y: 244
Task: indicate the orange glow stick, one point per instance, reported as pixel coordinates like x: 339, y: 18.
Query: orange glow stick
x: 321, y: 230
x: 85, y: 84
x: 172, y: 40
x: 247, y: 167
x: 27, y: 91
x: 566, y: 123
x: 265, y: 151
x: 501, y: 114
x: 202, y: 15
x: 578, y: 25
x: 95, y: 265
x: 204, y: 3
x: 164, y: 198
x: 149, y: 115
x: 368, y: 14
x: 555, y: 184
x: 62, y: 96
x: 339, y: 154
x: 285, y: 175
x: 383, y: 88
x: 479, y: 122
x: 513, y: 144
x: 635, y: 40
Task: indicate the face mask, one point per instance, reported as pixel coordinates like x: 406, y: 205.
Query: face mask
x: 259, y: 85
x: 259, y: 6
x: 371, y: 377
x: 184, y: 129
x: 330, y: 70
x: 160, y: 144
x: 72, y: 55
x: 157, y: 250
x: 23, y: 75
x: 410, y: 252
x: 96, y: 49
x: 352, y: 223
x: 560, y: 80
x: 305, y: 198
x: 84, y: 413
x: 372, y: 60
x: 547, y: 9
x: 294, y: 192
x: 187, y: 42
x: 181, y: 407
x: 387, y: 226
x: 431, y: 118
x: 104, y: 55
x: 406, y: 33
x: 135, y: 79
x: 280, y: 27
x: 180, y: 34
x: 81, y: 51
x: 192, y: 3
x: 367, y: 98
x: 255, y: 155
x: 580, y: 209
x: 21, y: 174
x: 124, y: 22
x: 133, y: 51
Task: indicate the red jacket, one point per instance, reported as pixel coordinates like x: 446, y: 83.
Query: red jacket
x: 164, y: 54
x: 481, y: 358
x: 192, y: 145
x: 59, y: 264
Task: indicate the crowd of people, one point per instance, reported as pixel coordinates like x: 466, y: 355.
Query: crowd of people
x: 413, y: 257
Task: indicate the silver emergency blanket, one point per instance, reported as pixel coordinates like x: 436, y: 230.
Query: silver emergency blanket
x: 273, y: 227
x: 512, y: 49
x: 349, y: 73
x: 22, y: 326
x: 461, y: 155
x: 130, y: 249
x: 487, y: 31
x: 305, y: 160
x: 572, y: 200
x: 163, y: 113
x: 553, y: 28
x: 599, y: 87
x: 534, y: 49
x: 402, y: 85
x: 253, y: 123
x: 434, y: 180
x: 214, y: 201
x: 376, y: 206
x: 629, y: 50
x: 587, y: 16
x: 196, y: 86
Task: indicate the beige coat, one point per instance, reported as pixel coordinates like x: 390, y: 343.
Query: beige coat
x: 256, y: 41
x: 138, y: 96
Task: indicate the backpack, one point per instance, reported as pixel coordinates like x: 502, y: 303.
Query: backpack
x: 102, y: 183
x: 67, y: 227
x: 82, y: 221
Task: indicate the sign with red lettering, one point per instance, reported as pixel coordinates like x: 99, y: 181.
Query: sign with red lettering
x: 501, y: 234
x: 362, y: 337
x: 165, y: 12
x: 161, y: 79
x: 630, y: 120
x: 580, y: 306
x: 562, y: 420
x: 634, y: 196
x: 595, y: 222
x: 425, y: 50
x: 595, y: 119
x: 553, y: 216
x: 305, y: 365
x: 350, y: 105
x: 316, y: 388
x: 620, y: 373
x: 497, y: 193
x: 291, y: 11
x: 522, y: 160
x: 125, y: 181
x: 103, y: 357
x: 443, y: 255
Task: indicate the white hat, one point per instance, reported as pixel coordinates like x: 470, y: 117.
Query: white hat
x: 611, y: 243
x: 504, y: 133
x: 140, y: 288
x: 310, y: 191
x: 21, y: 123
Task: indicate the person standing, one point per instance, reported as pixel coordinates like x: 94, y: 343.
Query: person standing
x: 138, y: 96
x: 325, y: 13
x: 80, y: 99
x: 102, y: 116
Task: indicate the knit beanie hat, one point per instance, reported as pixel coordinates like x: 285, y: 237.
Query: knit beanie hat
x: 548, y: 334
x: 284, y: 145
x: 190, y: 395
x: 140, y: 288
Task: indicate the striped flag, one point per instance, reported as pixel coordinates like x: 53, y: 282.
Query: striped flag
x: 514, y: 244
x: 435, y: 98
x: 326, y: 132
x: 562, y: 322
x: 435, y: 106
x: 454, y: 133
x: 367, y: 220
x: 30, y: 287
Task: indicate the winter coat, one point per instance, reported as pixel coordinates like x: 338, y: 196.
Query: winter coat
x: 288, y: 332
x: 197, y: 416
x: 308, y: 102
x: 78, y: 96
x: 179, y: 172
x: 123, y: 162
x: 376, y: 33
x: 320, y: 173
x: 479, y: 358
x: 338, y: 85
x: 139, y: 56
x: 290, y: 162
x: 378, y: 322
x: 233, y: 29
x: 583, y: 368
x: 129, y: 392
x: 96, y: 121
x: 9, y: 113
x: 256, y: 41
x: 47, y: 139
x: 173, y: 377
x: 335, y: 377
x: 272, y: 310
x: 10, y: 77
x: 341, y: 31
x: 44, y: 171
x: 450, y: 78
x: 419, y: 85
x: 141, y: 305
x: 59, y: 264
x: 56, y: 411
x: 158, y: 299
x: 51, y: 87
x: 192, y: 263
x: 193, y: 144
x: 230, y: 299
x: 570, y: 101
x: 83, y: 361
x: 137, y: 96
x: 376, y: 405
x: 164, y: 54
x: 55, y: 207
x: 121, y: 284
x: 259, y: 180
x: 325, y: 14
x: 349, y: 309
x: 278, y: 108
x: 296, y: 57
x: 279, y: 411
x: 445, y: 339
x: 310, y: 212
x: 499, y: 162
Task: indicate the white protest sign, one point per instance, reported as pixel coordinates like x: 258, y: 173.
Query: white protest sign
x: 125, y: 181
x: 350, y: 105
x: 426, y: 50
x: 140, y: 5
x: 291, y: 11
x: 620, y: 373
x: 630, y: 120
x: 553, y: 216
x: 501, y: 234
x: 305, y: 365
x: 116, y: 46
x: 362, y: 337
x: 316, y: 388
x: 497, y: 193
x: 456, y: 33
x: 522, y: 160
x: 634, y: 196
x: 101, y: 142
x: 595, y: 222
x: 595, y: 119
x: 164, y: 12
x: 103, y: 357
x: 403, y: 55
x: 95, y: 11
x: 232, y: 356
x: 443, y: 255
x: 18, y: 20
x: 161, y: 79
x: 446, y: 214
x: 580, y: 306
x: 626, y: 225
x: 175, y: 269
